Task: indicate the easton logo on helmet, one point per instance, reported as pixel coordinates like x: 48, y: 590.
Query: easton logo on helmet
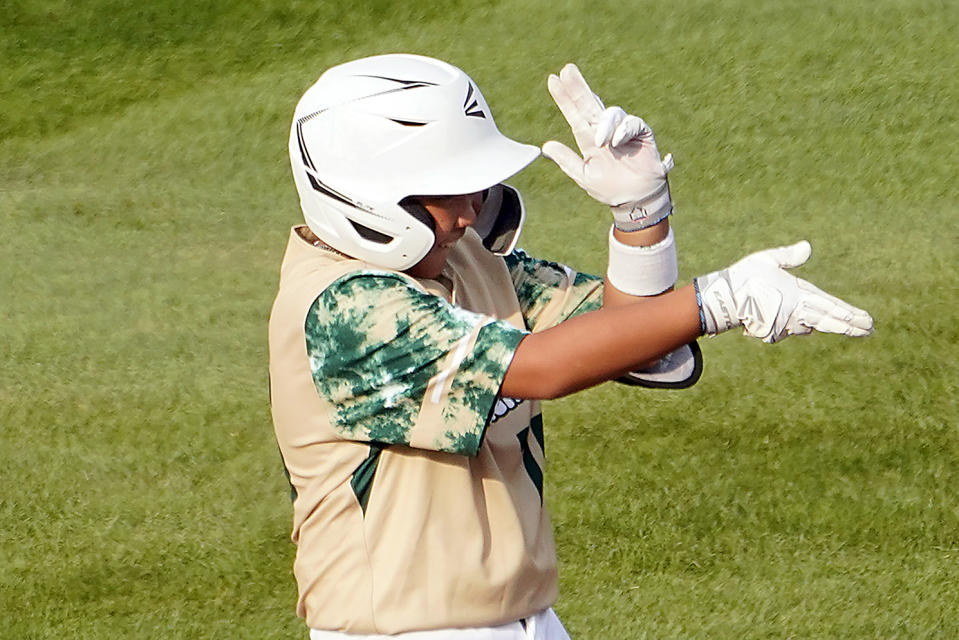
x: 472, y: 108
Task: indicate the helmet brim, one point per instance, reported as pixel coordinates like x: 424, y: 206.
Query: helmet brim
x: 475, y: 168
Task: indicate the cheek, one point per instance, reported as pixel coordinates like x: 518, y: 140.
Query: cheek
x: 444, y: 221
x: 445, y: 216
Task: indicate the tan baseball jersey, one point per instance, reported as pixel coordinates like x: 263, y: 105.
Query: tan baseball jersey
x: 418, y: 491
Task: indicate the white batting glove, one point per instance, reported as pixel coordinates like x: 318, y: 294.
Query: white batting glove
x: 620, y: 164
x: 769, y: 303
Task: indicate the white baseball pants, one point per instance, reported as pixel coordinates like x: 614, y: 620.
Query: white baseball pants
x: 545, y: 625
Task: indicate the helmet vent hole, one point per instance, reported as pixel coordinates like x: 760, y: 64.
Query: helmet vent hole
x: 408, y: 123
x: 370, y: 234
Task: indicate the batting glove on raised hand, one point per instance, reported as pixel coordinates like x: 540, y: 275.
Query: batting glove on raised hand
x: 620, y: 164
x: 758, y: 294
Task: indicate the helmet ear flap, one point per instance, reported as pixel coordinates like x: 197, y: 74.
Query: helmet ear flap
x: 501, y: 218
x: 413, y: 207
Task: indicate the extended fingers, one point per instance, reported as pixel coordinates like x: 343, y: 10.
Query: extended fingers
x: 567, y: 160
x: 576, y: 101
x: 786, y: 257
x: 829, y: 314
x: 587, y: 102
x: 578, y: 123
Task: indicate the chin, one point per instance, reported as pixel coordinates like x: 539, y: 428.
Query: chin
x: 431, y: 266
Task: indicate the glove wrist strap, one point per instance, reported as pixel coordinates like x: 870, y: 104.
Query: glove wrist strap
x: 640, y: 214
x: 716, y: 303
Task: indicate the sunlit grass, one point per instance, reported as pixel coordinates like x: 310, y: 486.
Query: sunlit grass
x: 801, y: 490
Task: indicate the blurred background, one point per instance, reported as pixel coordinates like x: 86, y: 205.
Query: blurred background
x: 801, y: 490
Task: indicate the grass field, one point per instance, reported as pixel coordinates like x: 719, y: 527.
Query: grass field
x: 803, y: 490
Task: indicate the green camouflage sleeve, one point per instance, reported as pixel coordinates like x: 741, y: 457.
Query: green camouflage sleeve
x: 401, y: 366
x: 549, y: 292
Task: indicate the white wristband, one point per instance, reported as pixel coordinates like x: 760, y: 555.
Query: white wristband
x: 643, y: 271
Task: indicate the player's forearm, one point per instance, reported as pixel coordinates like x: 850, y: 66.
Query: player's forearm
x: 646, y: 237
x: 601, y: 345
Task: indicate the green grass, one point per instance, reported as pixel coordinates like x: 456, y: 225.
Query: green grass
x: 803, y: 490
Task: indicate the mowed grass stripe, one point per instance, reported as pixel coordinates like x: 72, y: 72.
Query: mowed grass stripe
x: 800, y: 490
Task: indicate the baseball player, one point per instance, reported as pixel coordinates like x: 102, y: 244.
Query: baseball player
x: 411, y: 342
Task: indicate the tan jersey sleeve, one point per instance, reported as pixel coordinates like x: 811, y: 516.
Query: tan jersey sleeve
x: 550, y: 292
x: 401, y: 366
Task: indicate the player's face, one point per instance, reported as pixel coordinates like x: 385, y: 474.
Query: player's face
x: 452, y: 215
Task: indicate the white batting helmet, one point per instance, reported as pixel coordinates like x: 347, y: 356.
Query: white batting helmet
x: 372, y: 132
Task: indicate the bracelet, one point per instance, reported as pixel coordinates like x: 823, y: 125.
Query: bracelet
x: 699, y: 303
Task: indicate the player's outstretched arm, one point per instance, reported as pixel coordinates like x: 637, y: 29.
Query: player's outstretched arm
x: 757, y: 293
x: 642, y: 319
x: 601, y: 345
